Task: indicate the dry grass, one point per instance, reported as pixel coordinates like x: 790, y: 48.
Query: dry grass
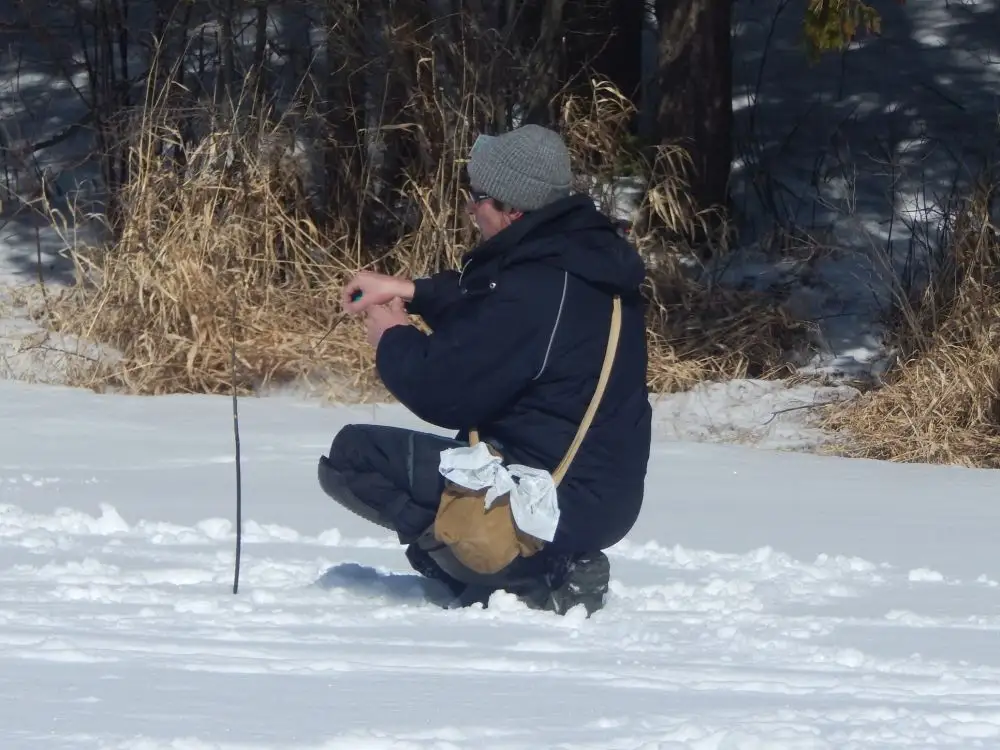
x: 696, y: 331
x: 942, y: 404
x: 703, y: 332
x: 224, y: 249
x: 31, y: 353
x: 228, y: 247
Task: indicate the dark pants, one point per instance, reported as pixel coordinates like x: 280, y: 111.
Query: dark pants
x: 389, y: 476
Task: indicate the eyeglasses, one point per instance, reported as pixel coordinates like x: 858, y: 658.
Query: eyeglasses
x: 477, y: 195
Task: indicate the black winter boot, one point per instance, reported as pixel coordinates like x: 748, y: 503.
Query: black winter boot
x: 572, y: 581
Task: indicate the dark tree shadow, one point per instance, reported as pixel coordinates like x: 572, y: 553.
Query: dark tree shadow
x: 912, y: 111
x: 48, y: 123
x: 870, y: 148
x: 45, y: 135
x: 33, y: 250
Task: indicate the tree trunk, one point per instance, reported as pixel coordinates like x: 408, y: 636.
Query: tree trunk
x: 573, y: 40
x: 605, y: 36
x: 344, y: 110
x: 543, y: 79
x: 695, y: 81
x: 225, y: 16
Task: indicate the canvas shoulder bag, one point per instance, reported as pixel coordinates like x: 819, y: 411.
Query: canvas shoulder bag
x: 487, y: 540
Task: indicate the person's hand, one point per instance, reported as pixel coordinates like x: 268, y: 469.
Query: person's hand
x: 381, y: 318
x: 375, y: 289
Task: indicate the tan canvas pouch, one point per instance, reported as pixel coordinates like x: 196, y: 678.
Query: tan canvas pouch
x: 488, y: 540
x: 484, y: 540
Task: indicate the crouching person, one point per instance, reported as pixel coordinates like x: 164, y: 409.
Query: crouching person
x: 537, y: 359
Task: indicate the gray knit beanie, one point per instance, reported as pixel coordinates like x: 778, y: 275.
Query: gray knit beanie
x: 526, y: 168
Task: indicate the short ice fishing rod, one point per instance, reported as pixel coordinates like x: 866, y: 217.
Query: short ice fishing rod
x: 239, y: 483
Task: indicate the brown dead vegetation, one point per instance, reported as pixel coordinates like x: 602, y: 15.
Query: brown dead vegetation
x: 942, y: 402
x: 225, y: 245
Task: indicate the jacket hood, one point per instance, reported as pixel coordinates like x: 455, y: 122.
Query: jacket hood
x: 572, y: 235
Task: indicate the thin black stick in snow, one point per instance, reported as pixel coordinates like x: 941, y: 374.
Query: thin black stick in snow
x: 239, y: 483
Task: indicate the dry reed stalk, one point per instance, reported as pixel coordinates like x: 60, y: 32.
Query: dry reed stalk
x: 699, y: 333
x: 942, y: 404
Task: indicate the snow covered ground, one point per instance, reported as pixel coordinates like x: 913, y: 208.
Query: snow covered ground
x: 765, y: 600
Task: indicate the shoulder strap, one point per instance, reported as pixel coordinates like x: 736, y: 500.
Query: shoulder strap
x: 595, y: 401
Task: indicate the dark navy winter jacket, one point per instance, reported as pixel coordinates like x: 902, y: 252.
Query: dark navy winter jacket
x: 517, y: 346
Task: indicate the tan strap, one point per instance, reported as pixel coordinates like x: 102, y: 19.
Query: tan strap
x: 595, y: 401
